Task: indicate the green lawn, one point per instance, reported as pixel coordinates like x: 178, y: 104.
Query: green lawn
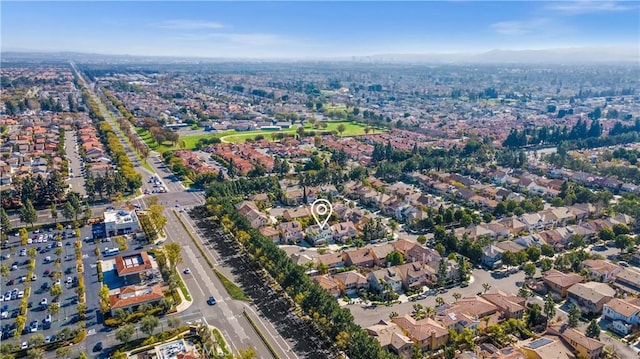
x: 234, y: 291
x: 351, y: 129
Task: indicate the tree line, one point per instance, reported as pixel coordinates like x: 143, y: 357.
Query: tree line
x: 113, y: 145
x: 335, y: 322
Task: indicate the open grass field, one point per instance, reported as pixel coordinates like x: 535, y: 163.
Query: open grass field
x: 351, y: 129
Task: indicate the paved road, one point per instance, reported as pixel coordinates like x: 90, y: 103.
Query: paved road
x: 202, y: 282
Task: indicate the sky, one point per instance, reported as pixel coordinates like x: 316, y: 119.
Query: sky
x: 305, y: 29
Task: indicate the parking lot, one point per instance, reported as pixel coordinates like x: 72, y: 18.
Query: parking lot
x: 52, y: 279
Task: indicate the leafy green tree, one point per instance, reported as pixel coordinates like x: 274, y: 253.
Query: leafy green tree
x: 549, y: 307
x: 68, y: 211
x: 529, y: 269
x: 623, y: 242
x: 341, y: 127
x: 125, y: 333
x: 148, y: 324
x: 546, y: 264
x: 395, y: 258
x: 533, y: 253
x: 63, y: 352
x: 606, y: 234
x: 4, y: 221
x: 35, y: 353
x: 442, y: 272
x: 54, y: 212
x: 593, y: 330
x: 28, y: 213
x: 574, y: 315
x: 547, y: 250
x: 534, y: 315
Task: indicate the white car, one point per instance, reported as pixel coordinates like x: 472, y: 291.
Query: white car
x: 4, y: 315
x: 44, y: 301
x: 187, y: 271
x: 21, y: 294
x: 24, y: 345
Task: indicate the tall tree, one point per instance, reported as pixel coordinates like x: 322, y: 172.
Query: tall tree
x: 54, y: 212
x: 68, y: 211
x: 28, y: 213
x: 549, y: 308
x: 4, y: 222
x: 574, y: 315
x: 593, y: 330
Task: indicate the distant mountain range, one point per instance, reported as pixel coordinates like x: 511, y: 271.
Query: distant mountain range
x: 577, y: 55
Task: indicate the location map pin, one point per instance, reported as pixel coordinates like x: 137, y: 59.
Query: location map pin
x: 321, y: 209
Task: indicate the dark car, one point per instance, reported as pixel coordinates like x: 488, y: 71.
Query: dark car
x: 211, y: 300
x: 97, y: 347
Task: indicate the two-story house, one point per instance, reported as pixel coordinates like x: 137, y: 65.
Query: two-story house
x: 351, y: 282
x: 390, y: 276
x: 624, y: 315
x: 317, y: 235
x: 590, y: 296
x: 601, y: 270
x: 559, y: 282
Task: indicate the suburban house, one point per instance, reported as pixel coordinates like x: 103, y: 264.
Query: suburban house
x: 291, y: 214
x: 329, y: 284
x: 343, y: 231
x: 331, y: 260
x: 585, y: 346
x: 380, y: 253
x: 510, y: 305
x: 270, y: 233
x: 590, y: 296
x: 360, y: 257
x: 546, y: 347
x: 351, y: 282
x: 390, y: 276
x: 628, y: 280
x: 427, y: 333
x: 251, y: 212
x: 559, y: 282
x: 601, y: 270
x: 491, y: 256
x: 317, y: 235
x: 624, y: 315
x: 391, y: 337
x: 290, y: 232
x: 416, y: 275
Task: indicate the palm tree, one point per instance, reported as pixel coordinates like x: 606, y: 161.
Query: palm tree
x: 439, y: 301
x: 429, y: 311
x: 486, y: 286
x: 457, y: 296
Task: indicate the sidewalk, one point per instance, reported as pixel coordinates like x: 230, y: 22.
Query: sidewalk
x: 184, y: 304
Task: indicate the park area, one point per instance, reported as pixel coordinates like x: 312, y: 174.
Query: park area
x: 189, y: 142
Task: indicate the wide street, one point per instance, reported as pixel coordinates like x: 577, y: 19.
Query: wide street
x: 227, y: 314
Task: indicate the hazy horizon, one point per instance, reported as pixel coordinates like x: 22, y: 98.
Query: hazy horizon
x: 307, y: 30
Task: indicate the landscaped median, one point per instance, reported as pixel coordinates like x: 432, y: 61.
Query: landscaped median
x: 234, y: 291
x: 264, y: 340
